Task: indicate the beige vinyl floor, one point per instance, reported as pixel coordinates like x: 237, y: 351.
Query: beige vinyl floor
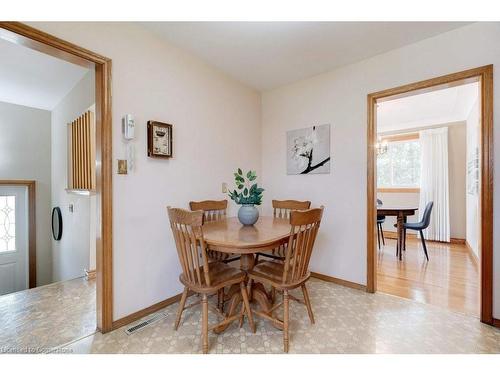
x: 40, y: 319
x: 60, y: 318
x: 347, y: 321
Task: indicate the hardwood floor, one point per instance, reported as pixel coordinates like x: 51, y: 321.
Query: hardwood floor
x: 450, y: 279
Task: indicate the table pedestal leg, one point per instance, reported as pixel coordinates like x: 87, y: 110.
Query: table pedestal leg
x: 400, y: 222
x: 258, y: 293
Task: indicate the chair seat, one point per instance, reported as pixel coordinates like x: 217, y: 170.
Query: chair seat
x: 414, y: 226
x: 380, y: 219
x: 272, y: 272
x: 220, y: 275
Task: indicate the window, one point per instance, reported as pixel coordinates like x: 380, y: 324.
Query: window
x: 399, y: 167
x: 7, y: 223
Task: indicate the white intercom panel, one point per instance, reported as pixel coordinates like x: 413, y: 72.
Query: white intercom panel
x: 128, y: 127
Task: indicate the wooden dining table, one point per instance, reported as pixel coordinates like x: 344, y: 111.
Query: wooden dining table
x: 401, y: 213
x: 230, y: 236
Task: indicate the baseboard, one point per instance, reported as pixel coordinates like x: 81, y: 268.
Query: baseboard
x: 496, y: 323
x: 335, y: 280
x: 144, y: 312
x: 90, y: 274
x: 472, y: 254
x: 413, y: 236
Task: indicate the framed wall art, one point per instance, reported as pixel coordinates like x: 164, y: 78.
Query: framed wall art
x: 159, y: 140
x: 308, y: 150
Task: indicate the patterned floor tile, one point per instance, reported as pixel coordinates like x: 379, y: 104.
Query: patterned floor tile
x: 40, y: 319
x: 347, y: 321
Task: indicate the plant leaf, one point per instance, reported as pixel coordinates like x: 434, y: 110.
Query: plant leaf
x: 240, y: 172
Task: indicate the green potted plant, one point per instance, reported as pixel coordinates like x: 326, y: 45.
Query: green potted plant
x: 248, y: 194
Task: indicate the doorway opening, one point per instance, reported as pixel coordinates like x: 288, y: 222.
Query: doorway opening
x: 430, y: 192
x: 92, y: 123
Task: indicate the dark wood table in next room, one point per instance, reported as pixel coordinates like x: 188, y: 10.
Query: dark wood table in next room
x: 401, y: 213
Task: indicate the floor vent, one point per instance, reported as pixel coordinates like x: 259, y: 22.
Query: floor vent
x: 145, y: 323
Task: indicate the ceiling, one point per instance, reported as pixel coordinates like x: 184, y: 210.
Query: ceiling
x: 266, y: 55
x: 427, y: 109
x: 34, y: 79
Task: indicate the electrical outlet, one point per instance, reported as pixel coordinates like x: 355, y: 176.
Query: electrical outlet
x: 224, y: 187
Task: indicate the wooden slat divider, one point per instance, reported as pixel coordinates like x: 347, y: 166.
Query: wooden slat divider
x: 77, y: 153
x: 92, y: 155
x: 82, y: 159
x: 80, y: 153
x: 85, y: 150
x: 72, y: 157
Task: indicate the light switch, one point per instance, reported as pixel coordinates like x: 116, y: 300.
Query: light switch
x: 224, y: 187
x: 122, y: 166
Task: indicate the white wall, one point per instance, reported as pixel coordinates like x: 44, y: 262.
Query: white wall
x: 216, y: 129
x: 472, y: 200
x: 339, y: 98
x: 457, y: 188
x: 457, y: 180
x: 70, y: 255
x: 25, y: 155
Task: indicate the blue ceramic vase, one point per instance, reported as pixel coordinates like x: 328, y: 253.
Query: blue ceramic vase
x: 248, y: 214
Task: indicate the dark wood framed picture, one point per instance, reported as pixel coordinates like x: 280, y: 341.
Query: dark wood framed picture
x: 159, y: 140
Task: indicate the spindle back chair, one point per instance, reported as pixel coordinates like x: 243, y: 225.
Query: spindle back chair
x: 199, y: 275
x: 294, y: 271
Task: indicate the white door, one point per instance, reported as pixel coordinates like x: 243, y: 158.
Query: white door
x: 13, y: 239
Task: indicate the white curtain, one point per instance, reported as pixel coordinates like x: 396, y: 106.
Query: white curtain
x: 434, y: 182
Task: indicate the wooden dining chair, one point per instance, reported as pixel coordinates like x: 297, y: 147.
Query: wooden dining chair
x: 200, y: 276
x: 380, y: 222
x: 282, y: 210
x: 294, y: 271
x: 214, y: 211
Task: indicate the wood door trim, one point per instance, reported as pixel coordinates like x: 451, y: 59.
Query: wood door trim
x: 484, y: 75
x: 31, y: 185
x: 35, y: 39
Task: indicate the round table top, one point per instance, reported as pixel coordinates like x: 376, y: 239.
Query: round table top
x: 231, y: 236
x: 396, y: 209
